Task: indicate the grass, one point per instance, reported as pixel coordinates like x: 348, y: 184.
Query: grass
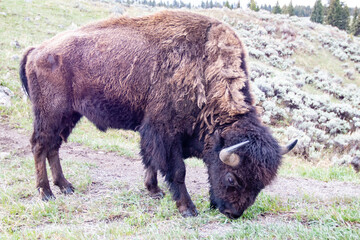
x: 292, y: 167
x: 123, y: 210
x: 120, y: 212
x: 126, y: 143
x: 29, y: 24
x: 323, y: 59
x: 314, y: 91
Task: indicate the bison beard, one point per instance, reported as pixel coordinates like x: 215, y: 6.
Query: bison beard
x: 178, y: 78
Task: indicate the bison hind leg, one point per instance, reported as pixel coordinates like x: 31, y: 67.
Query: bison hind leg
x: 67, y: 125
x: 58, y: 177
x: 38, y: 143
x: 49, y: 132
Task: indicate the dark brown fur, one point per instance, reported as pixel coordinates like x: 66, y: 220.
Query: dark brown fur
x: 176, y: 77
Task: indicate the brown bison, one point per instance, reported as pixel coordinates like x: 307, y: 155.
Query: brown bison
x: 178, y: 78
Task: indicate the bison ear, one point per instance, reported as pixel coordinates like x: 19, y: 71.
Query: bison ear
x: 217, y: 137
x: 289, y: 147
x: 218, y: 140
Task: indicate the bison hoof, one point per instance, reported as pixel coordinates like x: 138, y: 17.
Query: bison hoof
x: 67, y: 190
x: 157, y: 195
x: 46, y: 194
x: 189, y: 213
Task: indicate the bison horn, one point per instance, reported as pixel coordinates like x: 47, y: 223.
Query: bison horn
x: 228, y: 156
x: 289, y: 147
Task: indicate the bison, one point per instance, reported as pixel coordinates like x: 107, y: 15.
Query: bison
x: 180, y: 79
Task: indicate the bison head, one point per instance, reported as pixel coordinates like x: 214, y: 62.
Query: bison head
x: 241, y: 161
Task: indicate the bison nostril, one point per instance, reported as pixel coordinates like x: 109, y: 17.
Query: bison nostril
x: 236, y: 215
x: 227, y: 212
x: 232, y: 215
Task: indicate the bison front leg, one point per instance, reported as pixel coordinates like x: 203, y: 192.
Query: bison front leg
x: 161, y: 153
x: 151, y: 183
x: 175, y: 177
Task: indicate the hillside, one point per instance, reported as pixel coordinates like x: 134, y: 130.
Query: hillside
x: 306, y: 78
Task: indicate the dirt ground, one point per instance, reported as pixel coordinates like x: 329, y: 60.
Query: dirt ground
x: 130, y: 171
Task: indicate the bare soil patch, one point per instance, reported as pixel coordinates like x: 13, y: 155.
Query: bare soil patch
x: 110, y: 166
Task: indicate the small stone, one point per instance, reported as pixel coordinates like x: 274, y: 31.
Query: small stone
x: 7, y: 75
x: 5, y: 96
x: 72, y: 26
x: 4, y: 155
x: 117, y: 10
x: 3, y: 13
x: 15, y: 44
x: 15, y: 57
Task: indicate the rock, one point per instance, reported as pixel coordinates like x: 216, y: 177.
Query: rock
x: 5, y: 96
x: 117, y: 10
x: 15, y: 44
x: 7, y: 75
x: 3, y: 13
x: 15, y: 57
x: 4, y: 155
x: 80, y: 7
x: 72, y: 26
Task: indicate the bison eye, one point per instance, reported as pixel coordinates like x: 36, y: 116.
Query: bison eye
x: 230, y: 180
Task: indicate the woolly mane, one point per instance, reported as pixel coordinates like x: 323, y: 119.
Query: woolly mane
x: 228, y: 92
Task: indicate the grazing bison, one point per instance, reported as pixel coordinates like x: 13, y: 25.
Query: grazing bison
x: 178, y: 78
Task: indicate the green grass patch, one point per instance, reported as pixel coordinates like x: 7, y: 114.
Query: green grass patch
x: 265, y: 204
x: 294, y: 167
x: 291, y: 230
x: 323, y: 59
x: 126, y: 143
x: 126, y: 211
x: 28, y: 24
x: 314, y: 91
x: 194, y: 162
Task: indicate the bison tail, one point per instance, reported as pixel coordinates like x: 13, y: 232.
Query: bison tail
x: 22, y: 72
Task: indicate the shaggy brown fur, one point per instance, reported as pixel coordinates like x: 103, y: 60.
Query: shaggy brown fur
x: 173, y: 76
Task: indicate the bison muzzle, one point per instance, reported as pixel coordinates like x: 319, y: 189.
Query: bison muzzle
x: 178, y: 78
